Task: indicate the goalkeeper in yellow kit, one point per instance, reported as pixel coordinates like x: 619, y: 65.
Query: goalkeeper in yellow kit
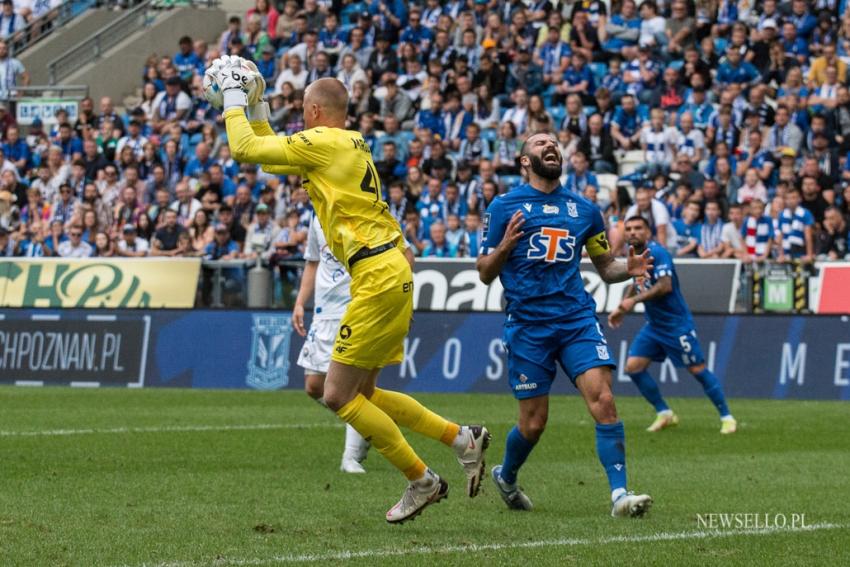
x: 337, y: 171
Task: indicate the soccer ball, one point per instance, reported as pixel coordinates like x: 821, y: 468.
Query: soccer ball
x: 212, y: 90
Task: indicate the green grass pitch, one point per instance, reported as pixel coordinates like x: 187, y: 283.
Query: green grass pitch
x: 183, y: 478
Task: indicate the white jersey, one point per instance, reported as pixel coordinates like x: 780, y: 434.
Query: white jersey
x: 332, y: 280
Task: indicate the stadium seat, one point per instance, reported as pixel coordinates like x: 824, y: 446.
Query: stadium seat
x: 630, y: 161
x: 607, y: 186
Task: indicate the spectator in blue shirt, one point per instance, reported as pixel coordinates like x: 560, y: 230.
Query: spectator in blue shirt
x: 553, y: 57
x: 626, y: 123
x: 201, y: 162
x: 186, y: 61
x: 736, y: 71
x: 432, y: 119
x: 578, y: 79
x: 437, y: 246
x: 580, y: 177
x: 266, y: 66
x: 415, y: 32
x: 72, y: 147
x: 16, y: 150
x: 802, y: 19
x: 795, y: 46
x: 688, y: 231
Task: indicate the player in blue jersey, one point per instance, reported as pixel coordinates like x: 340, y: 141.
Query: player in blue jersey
x: 533, y: 239
x: 668, y: 332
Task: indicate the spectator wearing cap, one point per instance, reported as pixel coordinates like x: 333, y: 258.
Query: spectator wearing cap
x: 266, y: 66
x: 260, y: 235
x: 75, y: 246
x: 237, y: 231
x: 134, y: 140
x: 222, y: 247
x: 131, y: 245
x: 171, y: 104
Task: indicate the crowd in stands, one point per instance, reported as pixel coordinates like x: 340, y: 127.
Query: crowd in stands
x: 726, y: 123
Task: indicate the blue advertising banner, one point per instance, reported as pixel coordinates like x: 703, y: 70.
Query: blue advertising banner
x: 781, y: 357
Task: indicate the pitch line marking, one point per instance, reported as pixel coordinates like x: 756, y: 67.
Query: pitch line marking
x: 474, y: 548
x: 169, y: 429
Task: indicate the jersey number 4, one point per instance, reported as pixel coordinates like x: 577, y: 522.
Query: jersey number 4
x: 370, y: 182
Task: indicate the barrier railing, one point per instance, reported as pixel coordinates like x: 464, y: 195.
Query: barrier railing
x: 93, y: 48
x: 41, y: 28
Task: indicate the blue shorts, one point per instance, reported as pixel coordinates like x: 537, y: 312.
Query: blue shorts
x: 683, y: 350
x: 533, y: 351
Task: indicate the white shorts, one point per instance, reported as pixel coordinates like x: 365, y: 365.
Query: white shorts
x: 315, y: 355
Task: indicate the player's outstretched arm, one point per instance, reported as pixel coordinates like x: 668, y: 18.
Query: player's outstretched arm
x: 489, y: 265
x: 660, y: 288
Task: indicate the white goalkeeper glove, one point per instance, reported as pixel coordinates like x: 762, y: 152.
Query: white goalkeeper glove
x: 234, y: 78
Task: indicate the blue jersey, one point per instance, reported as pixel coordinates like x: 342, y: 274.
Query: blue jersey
x: 668, y: 314
x: 541, y: 277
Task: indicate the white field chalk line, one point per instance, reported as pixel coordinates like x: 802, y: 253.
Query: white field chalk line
x: 473, y: 548
x: 168, y: 429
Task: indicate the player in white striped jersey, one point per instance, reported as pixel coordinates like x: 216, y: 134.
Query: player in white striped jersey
x: 328, y: 279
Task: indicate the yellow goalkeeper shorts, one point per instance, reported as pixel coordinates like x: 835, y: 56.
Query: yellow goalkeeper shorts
x: 372, y: 330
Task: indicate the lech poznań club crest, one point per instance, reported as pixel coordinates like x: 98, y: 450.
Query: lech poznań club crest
x: 269, y: 365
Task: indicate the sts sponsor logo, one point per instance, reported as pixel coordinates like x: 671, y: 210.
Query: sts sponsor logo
x: 552, y: 245
x: 269, y: 364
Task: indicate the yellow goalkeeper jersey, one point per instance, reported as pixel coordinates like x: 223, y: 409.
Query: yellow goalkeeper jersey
x: 337, y: 171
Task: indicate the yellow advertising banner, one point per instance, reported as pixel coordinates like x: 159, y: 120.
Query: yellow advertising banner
x: 99, y: 282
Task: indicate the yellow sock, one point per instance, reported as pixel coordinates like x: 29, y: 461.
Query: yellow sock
x: 409, y: 413
x: 377, y: 428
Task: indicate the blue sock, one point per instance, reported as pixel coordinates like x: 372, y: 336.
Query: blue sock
x: 611, y: 448
x: 713, y: 390
x: 649, y: 389
x: 517, y: 449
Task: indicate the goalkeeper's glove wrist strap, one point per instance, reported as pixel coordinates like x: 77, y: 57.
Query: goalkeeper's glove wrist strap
x: 258, y: 112
x: 234, y: 97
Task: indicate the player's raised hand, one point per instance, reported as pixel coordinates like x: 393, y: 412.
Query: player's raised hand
x: 639, y: 265
x: 513, y: 232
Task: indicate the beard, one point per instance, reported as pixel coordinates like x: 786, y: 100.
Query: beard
x: 545, y: 170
